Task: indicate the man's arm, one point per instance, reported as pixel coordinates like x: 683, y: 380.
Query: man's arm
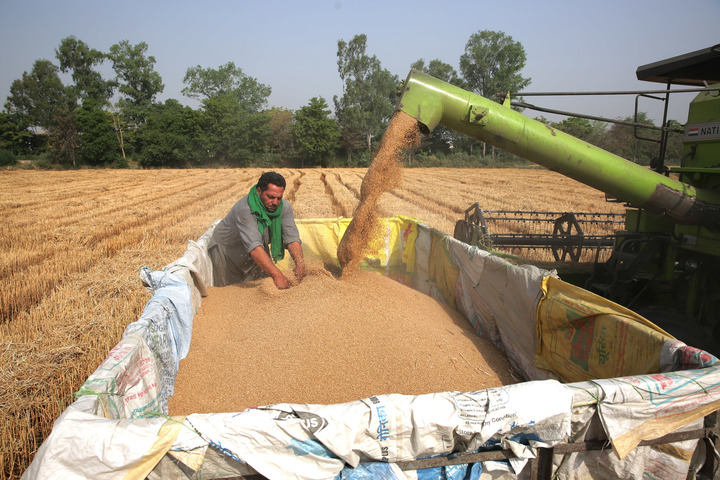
x: 297, y: 254
x: 263, y: 260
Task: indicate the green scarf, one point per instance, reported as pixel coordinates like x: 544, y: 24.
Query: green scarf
x: 265, y: 219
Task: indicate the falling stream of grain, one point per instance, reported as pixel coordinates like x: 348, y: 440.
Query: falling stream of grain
x: 384, y: 174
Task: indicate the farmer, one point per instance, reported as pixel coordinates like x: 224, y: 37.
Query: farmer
x: 247, y: 243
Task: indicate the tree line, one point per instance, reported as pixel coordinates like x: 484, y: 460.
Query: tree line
x: 118, y: 122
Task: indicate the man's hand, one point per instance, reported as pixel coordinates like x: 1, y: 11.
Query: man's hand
x: 299, y: 271
x: 281, y: 281
x: 297, y: 254
x: 262, y: 259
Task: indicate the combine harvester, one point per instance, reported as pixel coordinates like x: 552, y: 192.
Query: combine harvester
x: 606, y: 393
x: 665, y: 262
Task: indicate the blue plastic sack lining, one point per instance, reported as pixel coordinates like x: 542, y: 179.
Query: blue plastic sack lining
x: 383, y: 471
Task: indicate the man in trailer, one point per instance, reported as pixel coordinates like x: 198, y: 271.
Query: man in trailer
x: 253, y: 236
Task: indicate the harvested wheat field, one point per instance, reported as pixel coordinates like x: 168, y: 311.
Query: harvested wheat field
x: 72, y: 243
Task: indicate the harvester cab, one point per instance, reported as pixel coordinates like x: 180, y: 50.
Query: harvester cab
x: 663, y: 258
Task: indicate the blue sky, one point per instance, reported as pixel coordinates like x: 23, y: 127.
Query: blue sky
x: 291, y: 45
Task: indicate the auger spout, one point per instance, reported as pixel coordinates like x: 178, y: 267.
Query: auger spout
x: 433, y: 102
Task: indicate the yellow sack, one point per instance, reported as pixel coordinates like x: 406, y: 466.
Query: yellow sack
x: 582, y: 336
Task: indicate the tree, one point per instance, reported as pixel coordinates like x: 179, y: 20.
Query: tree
x: 439, y: 69
x: 675, y: 145
x: 137, y: 80
x: 77, y: 58
x: 577, y: 127
x: 65, y: 140
x: 119, y: 126
x: 99, y: 145
x: 621, y: 140
x: 229, y: 135
x: 228, y: 79
x: 15, y: 134
x: 38, y: 96
x: 280, y: 139
x: 315, y: 133
x: 234, y: 129
x: 369, y: 94
x: 491, y: 64
x: 169, y: 137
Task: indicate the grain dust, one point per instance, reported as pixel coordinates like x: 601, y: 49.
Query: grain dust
x: 328, y: 341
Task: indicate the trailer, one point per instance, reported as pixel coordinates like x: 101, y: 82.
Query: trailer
x: 606, y: 394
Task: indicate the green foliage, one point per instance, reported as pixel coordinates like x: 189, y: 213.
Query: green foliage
x: 492, y: 63
x: 7, y: 158
x: 99, y: 144
x: 120, y: 162
x: 621, y: 140
x: 78, y: 58
x: 460, y: 159
x: 38, y: 95
x: 369, y: 95
x: 280, y: 138
x: 231, y: 128
x: 65, y: 139
x: 15, y: 134
x: 267, y: 160
x: 674, y: 151
x: 168, y: 137
x: 203, y: 84
x: 315, y: 133
x: 362, y: 159
x: 220, y: 134
x: 138, y: 82
x: 577, y: 127
x: 231, y: 136
x: 441, y: 139
x: 440, y: 70
x: 45, y: 164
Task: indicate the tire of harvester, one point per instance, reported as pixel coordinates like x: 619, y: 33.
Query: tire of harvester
x: 461, y: 231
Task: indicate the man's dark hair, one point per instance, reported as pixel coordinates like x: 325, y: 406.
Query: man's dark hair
x: 268, y: 178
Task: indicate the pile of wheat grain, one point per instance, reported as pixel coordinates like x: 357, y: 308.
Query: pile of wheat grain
x: 328, y: 340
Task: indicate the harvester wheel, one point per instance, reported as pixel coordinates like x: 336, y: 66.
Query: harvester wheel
x: 462, y: 231
x: 567, y: 227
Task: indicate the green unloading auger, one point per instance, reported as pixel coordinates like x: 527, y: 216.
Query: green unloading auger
x: 432, y: 102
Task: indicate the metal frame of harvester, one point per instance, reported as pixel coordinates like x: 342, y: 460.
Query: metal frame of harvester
x: 551, y: 236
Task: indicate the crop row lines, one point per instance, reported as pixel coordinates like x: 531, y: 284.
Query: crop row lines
x: 36, y: 246
x: 50, y: 215
x: 23, y: 288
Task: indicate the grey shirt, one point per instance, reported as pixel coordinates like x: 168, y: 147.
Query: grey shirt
x: 237, y: 235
